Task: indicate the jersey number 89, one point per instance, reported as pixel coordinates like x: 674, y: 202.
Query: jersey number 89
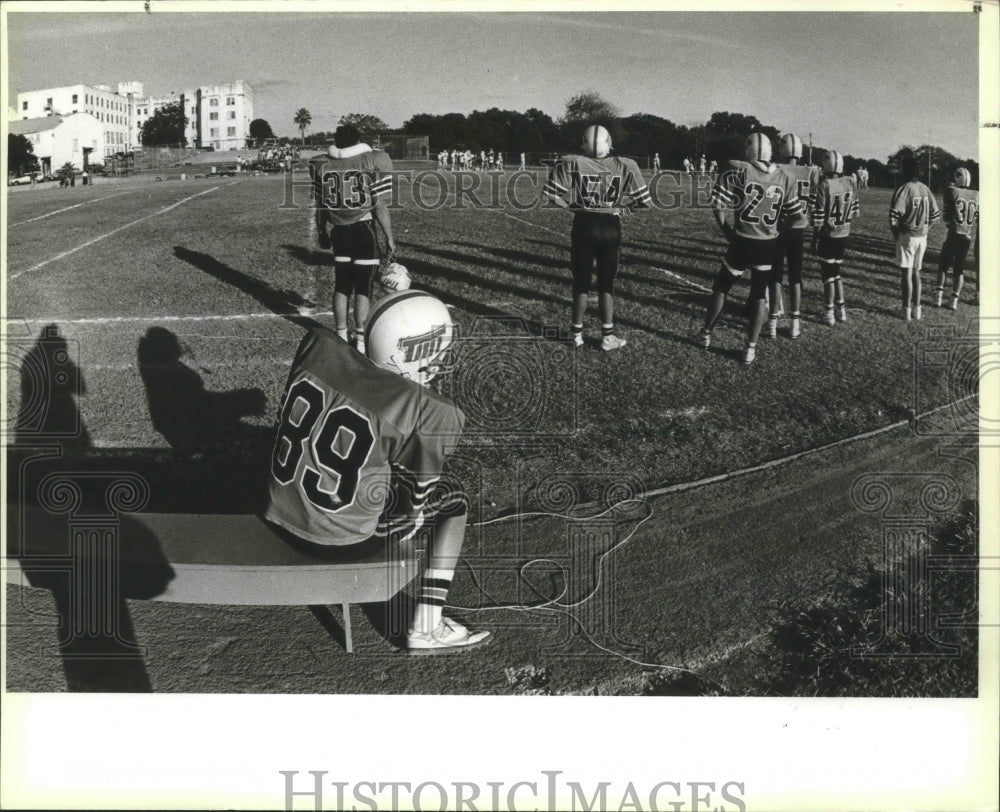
x: 340, y: 448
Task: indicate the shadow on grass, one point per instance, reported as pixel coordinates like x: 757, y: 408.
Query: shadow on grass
x: 285, y: 303
x: 429, y: 271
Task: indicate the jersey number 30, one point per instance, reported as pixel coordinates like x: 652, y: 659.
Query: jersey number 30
x: 340, y: 449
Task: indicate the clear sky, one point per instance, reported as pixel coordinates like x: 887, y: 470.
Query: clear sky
x: 863, y: 83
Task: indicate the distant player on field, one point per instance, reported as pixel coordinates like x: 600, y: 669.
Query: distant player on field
x: 791, y: 235
x: 656, y: 161
x: 912, y: 211
x: 835, y: 206
x: 349, y: 187
x: 961, y: 215
x: 760, y: 196
x: 360, y: 447
x: 598, y: 188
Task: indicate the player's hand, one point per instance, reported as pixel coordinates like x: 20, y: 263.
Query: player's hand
x: 323, y: 238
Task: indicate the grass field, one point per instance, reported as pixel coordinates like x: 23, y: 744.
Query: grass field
x: 132, y: 272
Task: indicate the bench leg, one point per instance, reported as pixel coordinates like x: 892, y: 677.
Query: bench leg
x: 348, y: 641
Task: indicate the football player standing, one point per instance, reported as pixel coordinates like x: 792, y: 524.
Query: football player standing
x: 912, y: 211
x: 961, y: 215
x: 760, y: 196
x: 598, y: 187
x: 835, y: 206
x: 360, y: 448
x: 791, y: 235
x: 349, y: 184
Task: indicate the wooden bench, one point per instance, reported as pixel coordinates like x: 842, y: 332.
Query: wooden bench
x: 212, y: 559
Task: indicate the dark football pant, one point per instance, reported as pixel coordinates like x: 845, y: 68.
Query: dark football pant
x: 595, y: 241
x: 355, y: 257
x: 789, y: 246
x: 954, y: 253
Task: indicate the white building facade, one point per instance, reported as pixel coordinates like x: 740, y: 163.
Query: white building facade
x: 218, y: 116
x: 59, y: 140
x: 112, y: 111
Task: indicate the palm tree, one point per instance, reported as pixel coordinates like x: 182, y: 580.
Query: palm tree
x: 303, y: 119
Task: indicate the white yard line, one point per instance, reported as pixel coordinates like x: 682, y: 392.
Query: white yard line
x: 152, y: 319
x: 536, y: 225
x: 67, y: 208
x: 680, y: 278
x: 88, y: 243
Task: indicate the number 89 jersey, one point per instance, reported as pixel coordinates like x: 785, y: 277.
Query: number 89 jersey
x: 760, y: 195
x: 358, y: 448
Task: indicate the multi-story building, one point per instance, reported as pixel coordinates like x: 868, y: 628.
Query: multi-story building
x: 218, y: 116
x: 112, y: 110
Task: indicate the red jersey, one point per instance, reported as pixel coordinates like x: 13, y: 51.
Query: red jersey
x: 760, y: 195
x: 913, y: 209
x: 961, y: 210
x: 346, y: 189
x: 354, y: 441
x: 836, y: 205
x: 596, y: 184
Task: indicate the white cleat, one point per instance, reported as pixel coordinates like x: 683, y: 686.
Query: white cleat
x: 577, y: 339
x: 450, y: 635
x: 796, y: 327
x: 828, y: 316
x: 749, y: 354
x: 918, y: 312
x: 704, y: 338
x: 841, y: 313
x: 609, y: 343
x: 772, y: 328
x: 954, y: 303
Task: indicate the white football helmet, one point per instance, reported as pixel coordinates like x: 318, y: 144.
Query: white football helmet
x: 408, y: 332
x: 790, y: 146
x: 596, y: 141
x: 833, y: 162
x: 394, y: 277
x: 757, y: 147
x: 963, y: 177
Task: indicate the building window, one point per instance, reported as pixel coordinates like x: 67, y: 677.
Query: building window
x: 230, y: 101
x: 232, y: 114
x: 48, y: 102
x: 24, y: 105
x: 230, y: 131
x: 194, y: 110
x: 213, y: 116
x: 75, y: 98
x: 214, y: 132
x: 213, y: 102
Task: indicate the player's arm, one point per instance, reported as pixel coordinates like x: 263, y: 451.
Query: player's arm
x: 897, y: 208
x: 724, y: 198
x: 317, y: 210
x: 381, y: 191
x: 950, y: 210
x: 636, y: 189
x: 556, y: 190
x: 935, y: 214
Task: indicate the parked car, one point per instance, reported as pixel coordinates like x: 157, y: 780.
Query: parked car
x: 20, y: 180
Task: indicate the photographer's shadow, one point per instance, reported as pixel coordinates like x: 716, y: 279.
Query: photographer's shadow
x: 190, y: 418
x: 50, y: 382
x: 206, y: 430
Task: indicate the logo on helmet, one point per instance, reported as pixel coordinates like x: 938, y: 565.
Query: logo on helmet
x: 428, y: 345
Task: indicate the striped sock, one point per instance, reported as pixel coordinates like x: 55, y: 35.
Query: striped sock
x: 607, y: 329
x: 576, y: 330
x: 433, y: 593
